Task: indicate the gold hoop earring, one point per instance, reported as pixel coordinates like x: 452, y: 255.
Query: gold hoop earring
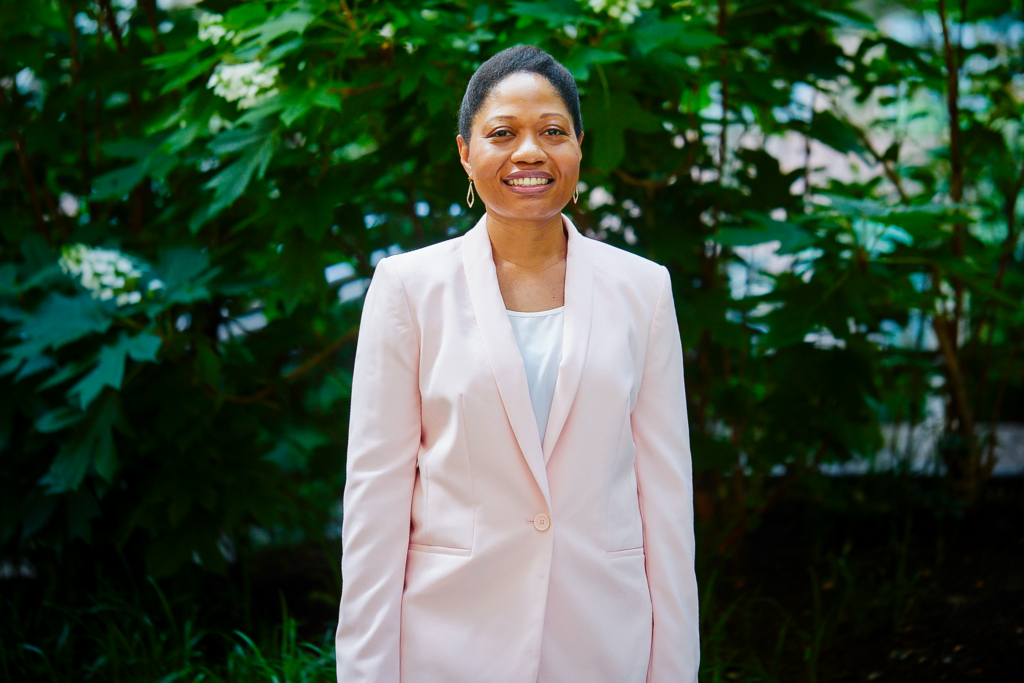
x: 576, y: 195
x: 470, y: 196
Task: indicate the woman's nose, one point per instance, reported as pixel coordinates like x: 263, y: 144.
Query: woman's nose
x: 528, y: 151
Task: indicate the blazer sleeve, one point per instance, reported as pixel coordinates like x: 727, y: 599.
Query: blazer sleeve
x: 384, y: 438
x: 665, y: 484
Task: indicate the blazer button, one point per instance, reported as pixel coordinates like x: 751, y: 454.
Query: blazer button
x: 541, y: 522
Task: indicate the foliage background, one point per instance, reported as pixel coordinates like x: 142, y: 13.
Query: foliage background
x: 254, y: 160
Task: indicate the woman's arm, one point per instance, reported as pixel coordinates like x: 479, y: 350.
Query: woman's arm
x: 665, y: 482
x: 384, y: 438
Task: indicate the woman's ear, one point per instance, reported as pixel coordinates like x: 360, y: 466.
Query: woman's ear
x: 464, y: 155
x: 579, y: 144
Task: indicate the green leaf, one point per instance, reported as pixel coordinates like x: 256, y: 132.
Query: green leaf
x: 791, y: 237
x: 357, y: 149
x: 197, y: 69
x: 238, y: 139
x: 294, y: 21
x: 34, y: 365
x: 919, y: 221
x: 653, y: 34
x: 555, y: 13
x: 39, y: 510
x: 91, y: 443
x: 579, y: 62
x: 293, y: 112
x: 11, y: 314
x: 325, y: 99
x: 409, y: 84
x: 176, y: 58
x: 109, y: 372
x: 118, y: 183
x: 58, y: 419
x: 294, y: 447
x: 230, y: 183
x: 609, y: 115
x: 8, y: 278
x: 265, y: 108
x: 208, y: 365
x: 182, y: 138
x: 58, y: 321
x: 151, y: 161
x: 130, y: 148
x: 829, y: 129
x: 68, y: 372
x: 185, y: 272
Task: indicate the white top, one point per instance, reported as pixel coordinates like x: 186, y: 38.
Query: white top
x: 539, y: 336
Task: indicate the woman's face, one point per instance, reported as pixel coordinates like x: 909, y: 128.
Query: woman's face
x: 524, y: 156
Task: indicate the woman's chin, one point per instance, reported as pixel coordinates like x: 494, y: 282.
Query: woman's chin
x: 527, y: 206
x: 532, y: 211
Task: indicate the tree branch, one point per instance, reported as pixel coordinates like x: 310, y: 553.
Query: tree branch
x: 723, y: 17
x: 149, y: 7
x: 115, y: 31
x: 30, y: 181
x: 956, y: 184
x: 632, y: 180
x: 862, y: 136
x: 311, y: 363
x: 958, y: 388
x: 349, y: 16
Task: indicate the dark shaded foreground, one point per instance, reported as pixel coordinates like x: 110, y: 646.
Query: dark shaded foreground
x: 859, y: 579
x: 848, y: 580
x: 840, y: 588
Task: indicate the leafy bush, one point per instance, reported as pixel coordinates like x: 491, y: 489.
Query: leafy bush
x: 238, y: 154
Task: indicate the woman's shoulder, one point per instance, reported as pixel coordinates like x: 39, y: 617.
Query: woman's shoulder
x: 419, y: 266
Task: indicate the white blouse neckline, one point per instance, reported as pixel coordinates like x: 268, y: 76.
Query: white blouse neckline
x: 539, y: 338
x: 535, y: 314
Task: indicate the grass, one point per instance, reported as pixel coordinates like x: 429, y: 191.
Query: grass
x: 806, y: 599
x: 746, y: 634
x: 119, y: 641
x: 763, y: 627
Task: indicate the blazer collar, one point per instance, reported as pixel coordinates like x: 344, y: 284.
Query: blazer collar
x: 579, y: 294
x: 503, y: 352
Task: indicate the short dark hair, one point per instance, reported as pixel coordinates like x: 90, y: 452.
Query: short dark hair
x: 512, y: 60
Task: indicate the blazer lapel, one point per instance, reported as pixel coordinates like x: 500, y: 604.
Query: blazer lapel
x: 579, y: 288
x: 501, y: 348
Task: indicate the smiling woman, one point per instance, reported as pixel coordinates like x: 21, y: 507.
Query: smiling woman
x: 518, y: 504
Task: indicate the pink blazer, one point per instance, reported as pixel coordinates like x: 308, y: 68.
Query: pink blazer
x: 472, y: 553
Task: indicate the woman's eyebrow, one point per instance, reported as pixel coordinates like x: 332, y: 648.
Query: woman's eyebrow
x: 544, y: 116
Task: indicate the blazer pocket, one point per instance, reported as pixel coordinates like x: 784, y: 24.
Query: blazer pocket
x: 628, y: 552
x: 440, y: 550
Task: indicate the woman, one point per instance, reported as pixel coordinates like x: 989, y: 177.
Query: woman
x: 518, y: 505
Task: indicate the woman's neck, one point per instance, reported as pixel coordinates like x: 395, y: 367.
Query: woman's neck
x: 527, y: 246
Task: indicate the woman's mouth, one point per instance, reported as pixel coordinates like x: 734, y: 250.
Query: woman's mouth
x: 528, y: 182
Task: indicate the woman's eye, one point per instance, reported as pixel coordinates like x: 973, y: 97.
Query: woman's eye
x: 501, y: 134
x: 555, y: 131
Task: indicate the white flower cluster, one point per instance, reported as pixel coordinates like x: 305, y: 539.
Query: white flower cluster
x: 211, y: 28
x: 106, y: 273
x: 625, y: 11
x: 248, y: 83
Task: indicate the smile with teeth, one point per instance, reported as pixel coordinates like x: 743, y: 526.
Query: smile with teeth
x: 528, y: 182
